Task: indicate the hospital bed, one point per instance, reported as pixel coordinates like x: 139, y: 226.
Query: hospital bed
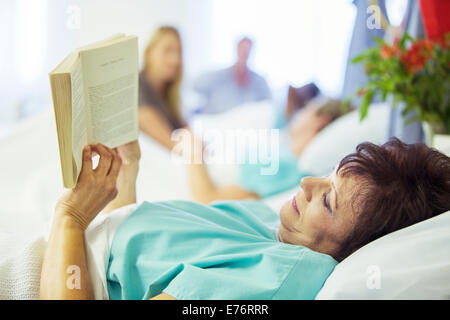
x: 410, y: 263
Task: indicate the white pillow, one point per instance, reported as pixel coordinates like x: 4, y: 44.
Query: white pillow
x: 250, y: 115
x: 411, y: 263
x: 341, y: 137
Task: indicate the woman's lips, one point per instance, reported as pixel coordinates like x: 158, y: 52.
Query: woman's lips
x: 294, y: 204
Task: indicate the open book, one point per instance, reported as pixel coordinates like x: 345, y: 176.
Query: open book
x: 95, y: 99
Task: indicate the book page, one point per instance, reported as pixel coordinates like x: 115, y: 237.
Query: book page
x: 111, y: 91
x: 79, y: 116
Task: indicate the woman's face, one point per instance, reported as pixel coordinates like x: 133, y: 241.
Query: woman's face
x: 321, y: 215
x: 165, y: 57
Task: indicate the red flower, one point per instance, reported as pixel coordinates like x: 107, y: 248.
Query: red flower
x: 417, y: 56
x: 389, y: 52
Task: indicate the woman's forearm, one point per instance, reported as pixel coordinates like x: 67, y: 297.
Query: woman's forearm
x: 64, y: 270
x: 154, y: 125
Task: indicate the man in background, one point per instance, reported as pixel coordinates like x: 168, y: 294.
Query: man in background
x: 227, y: 88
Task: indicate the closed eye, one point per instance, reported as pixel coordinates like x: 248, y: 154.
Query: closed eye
x: 326, y: 203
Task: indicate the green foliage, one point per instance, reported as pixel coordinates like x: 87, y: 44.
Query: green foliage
x: 415, y: 72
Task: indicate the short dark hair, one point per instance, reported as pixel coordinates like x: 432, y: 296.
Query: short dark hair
x: 402, y: 184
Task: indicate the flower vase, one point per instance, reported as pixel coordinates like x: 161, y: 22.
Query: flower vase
x: 439, y: 141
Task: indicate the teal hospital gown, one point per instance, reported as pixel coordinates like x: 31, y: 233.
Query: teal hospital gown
x: 228, y: 250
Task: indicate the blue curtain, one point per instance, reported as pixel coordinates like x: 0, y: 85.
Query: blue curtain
x: 413, y: 132
x: 362, y: 39
x: 355, y: 77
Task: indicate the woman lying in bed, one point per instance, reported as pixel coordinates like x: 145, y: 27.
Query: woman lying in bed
x: 240, y: 249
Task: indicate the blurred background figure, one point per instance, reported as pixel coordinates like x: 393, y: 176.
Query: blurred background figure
x: 159, y: 86
x: 227, y: 88
x: 52, y: 28
x: 303, y: 126
x: 297, y: 98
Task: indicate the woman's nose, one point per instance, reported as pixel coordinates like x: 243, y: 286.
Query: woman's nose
x: 312, y: 185
x: 305, y: 184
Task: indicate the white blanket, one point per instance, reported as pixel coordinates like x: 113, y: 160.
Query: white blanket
x: 20, y: 266
x: 21, y: 257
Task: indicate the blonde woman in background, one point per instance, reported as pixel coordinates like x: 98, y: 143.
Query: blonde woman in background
x: 159, y: 86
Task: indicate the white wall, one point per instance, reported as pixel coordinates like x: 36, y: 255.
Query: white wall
x: 296, y: 40
x: 98, y: 19
x: 101, y: 18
